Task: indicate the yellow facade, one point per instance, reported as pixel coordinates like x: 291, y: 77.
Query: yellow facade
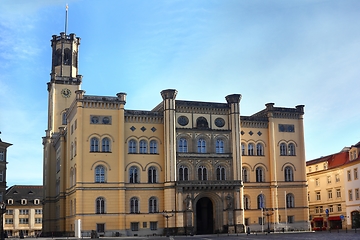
x: 333, y: 190
x: 178, y: 168
x: 23, y: 216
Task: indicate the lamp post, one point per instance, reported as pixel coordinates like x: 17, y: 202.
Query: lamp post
x: 167, y: 216
x: 267, y: 213
x: 2, y: 209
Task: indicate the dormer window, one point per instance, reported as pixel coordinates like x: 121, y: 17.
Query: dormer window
x: 23, y: 201
x: 37, y: 201
x: 10, y: 201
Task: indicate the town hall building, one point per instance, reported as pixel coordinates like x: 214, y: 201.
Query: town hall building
x: 184, y: 167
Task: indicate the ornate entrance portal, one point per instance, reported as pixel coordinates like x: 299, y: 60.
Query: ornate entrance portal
x: 204, y: 216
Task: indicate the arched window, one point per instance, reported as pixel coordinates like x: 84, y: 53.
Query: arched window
x: 246, y: 202
x: 291, y: 149
x: 219, y: 146
x: 100, y: 205
x: 220, y: 173
x: 100, y: 174
x: 259, y: 149
x: 132, y: 146
x: 283, y: 149
x: 243, y: 147
x: 134, y: 175
x: 64, y: 118
x: 183, y: 146
x: 290, y: 200
x: 152, y: 175
x: 67, y: 56
x: 260, y: 174
x: 153, y: 208
x: 288, y: 174
x: 202, y: 173
x: 94, y: 144
x: 245, y: 172
x: 71, y: 176
x: 153, y: 147
x: 134, y: 205
x: 143, y: 146
x: 105, y: 144
x: 201, y: 146
x: 261, y: 201
x: 251, y: 149
x: 72, y: 151
x: 183, y: 173
x: 74, y: 178
x: 202, y: 123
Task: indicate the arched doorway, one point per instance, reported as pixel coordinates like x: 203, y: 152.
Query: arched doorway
x: 204, y: 216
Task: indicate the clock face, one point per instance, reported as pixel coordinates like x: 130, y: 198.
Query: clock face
x: 65, y: 93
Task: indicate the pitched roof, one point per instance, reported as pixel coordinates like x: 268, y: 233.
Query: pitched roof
x: 28, y: 192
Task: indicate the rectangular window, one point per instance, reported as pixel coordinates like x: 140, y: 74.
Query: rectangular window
x: 350, y: 195
x: 153, y: 225
x: 9, y: 212
x: 23, y: 220
x: 330, y: 194
x: 9, y: 221
x: 290, y: 219
x: 339, y: 208
x: 100, y: 227
x: 328, y: 179
x: 24, y: 211
x: 38, y: 220
x: 338, y: 193
x: 134, y: 226
x: 331, y: 208
x: 317, y: 182
x: 38, y: 211
x: 318, y: 196
x: 261, y: 220
x: 355, y: 173
x: 357, y: 194
x: 321, y: 209
x: 2, y: 155
x: 337, y: 178
x: 144, y: 224
x: 349, y: 175
x: 317, y: 210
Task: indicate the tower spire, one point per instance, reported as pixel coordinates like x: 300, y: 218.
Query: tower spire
x: 66, y: 18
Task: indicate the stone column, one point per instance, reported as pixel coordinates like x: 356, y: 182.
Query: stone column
x: 234, y: 124
x: 169, y: 96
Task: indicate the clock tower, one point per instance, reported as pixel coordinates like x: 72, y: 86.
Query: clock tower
x: 64, y: 81
x: 64, y: 78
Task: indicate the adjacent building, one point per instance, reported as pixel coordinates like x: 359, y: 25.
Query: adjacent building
x: 23, y: 215
x: 183, y: 167
x: 333, y: 192
x: 3, y: 162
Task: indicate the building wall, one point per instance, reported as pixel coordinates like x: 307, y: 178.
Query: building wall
x: 70, y: 164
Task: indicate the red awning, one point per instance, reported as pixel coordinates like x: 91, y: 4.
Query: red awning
x: 335, y: 218
x: 318, y: 219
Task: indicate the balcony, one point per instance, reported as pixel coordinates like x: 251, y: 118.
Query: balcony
x: 210, y: 185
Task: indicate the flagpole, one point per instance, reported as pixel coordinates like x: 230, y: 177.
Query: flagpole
x: 285, y: 212
x: 66, y: 18
x: 262, y: 212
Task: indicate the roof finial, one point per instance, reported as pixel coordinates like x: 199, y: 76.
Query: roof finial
x: 66, y: 18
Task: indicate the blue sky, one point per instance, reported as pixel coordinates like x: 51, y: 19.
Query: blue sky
x: 286, y: 52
